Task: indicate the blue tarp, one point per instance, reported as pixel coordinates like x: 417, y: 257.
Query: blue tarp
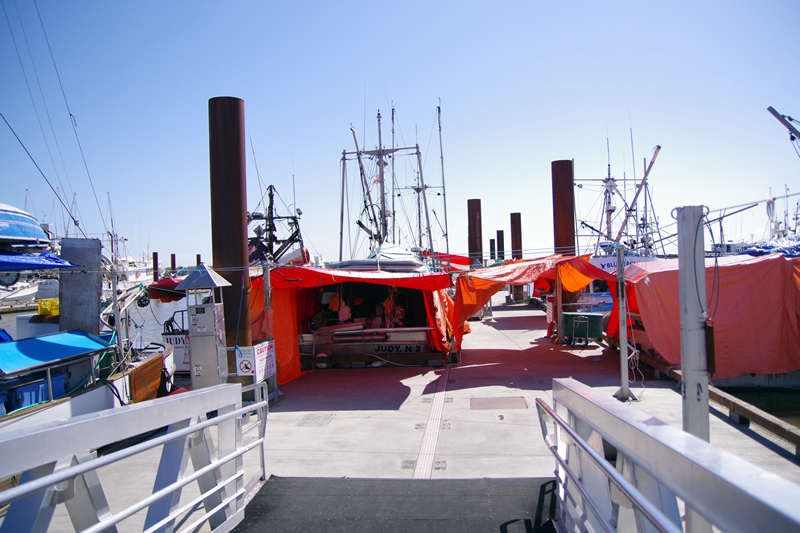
x: 788, y: 246
x: 10, y: 262
x: 36, y: 351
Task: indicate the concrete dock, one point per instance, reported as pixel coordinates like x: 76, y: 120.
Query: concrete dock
x: 457, y: 448
x: 471, y: 421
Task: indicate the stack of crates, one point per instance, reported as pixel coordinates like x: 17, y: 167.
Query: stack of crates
x: 48, y: 306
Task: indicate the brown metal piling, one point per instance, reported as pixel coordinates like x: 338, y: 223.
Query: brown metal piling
x: 474, y: 231
x: 226, y: 140
x: 563, y: 207
x: 501, y: 245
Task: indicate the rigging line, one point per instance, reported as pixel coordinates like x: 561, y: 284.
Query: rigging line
x: 73, y: 121
x: 28, y: 86
x: 258, y: 175
x: 430, y: 139
x: 74, y: 220
x: 46, y: 108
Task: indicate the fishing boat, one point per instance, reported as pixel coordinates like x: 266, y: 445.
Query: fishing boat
x: 20, y: 231
x: 390, y: 307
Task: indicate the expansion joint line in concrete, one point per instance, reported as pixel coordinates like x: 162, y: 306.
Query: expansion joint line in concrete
x: 427, y: 450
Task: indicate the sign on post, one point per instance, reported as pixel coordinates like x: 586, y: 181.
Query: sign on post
x: 257, y: 361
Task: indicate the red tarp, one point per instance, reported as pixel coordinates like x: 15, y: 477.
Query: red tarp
x: 291, y: 306
x: 164, y: 290
x: 308, y: 277
x: 455, y: 262
x: 755, y: 310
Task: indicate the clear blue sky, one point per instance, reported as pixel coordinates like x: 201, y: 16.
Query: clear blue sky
x: 521, y: 84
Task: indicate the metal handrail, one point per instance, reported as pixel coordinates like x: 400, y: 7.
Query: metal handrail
x: 653, y: 514
x: 169, y: 489
x: 234, y: 453
x: 68, y: 473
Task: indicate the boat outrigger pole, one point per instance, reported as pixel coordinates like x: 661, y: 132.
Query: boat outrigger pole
x: 364, y: 183
x: 794, y: 134
x: 636, y: 196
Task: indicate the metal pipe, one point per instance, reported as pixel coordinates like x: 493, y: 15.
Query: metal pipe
x: 49, y: 385
x: 623, y: 394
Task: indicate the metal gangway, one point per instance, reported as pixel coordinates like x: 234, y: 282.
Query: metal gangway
x: 620, y: 469
x: 141, y: 486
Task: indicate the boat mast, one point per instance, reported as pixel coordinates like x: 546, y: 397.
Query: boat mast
x: 425, y: 201
x: 341, y: 211
x: 444, y: 191
x: 609, y: 194
x: 418, y: 190
x: 394, y: 224
x: 383, y: 227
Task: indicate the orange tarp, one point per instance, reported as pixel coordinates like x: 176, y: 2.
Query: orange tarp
x: 755, y: 308
x: 282, y: 323
x: 475, y: 289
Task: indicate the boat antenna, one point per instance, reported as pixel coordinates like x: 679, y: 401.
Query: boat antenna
x: 444, y: 191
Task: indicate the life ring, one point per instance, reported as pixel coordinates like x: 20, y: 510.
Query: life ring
x: 551, y: 328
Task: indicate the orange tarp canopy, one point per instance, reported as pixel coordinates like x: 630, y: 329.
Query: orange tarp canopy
x: 281, y: 321
x: 475, y: 289
x: 755, y: 306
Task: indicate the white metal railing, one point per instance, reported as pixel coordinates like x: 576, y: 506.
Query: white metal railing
x: 59, y: 464
x: 620, y: 469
